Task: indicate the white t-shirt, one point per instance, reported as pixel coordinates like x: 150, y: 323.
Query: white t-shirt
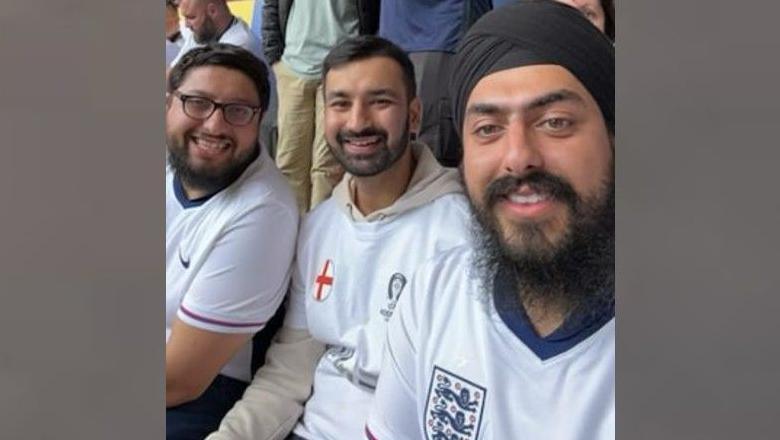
x: 238, y: 33
x: 347, y: 280
x: 229, y: 257
x: 458, y: 367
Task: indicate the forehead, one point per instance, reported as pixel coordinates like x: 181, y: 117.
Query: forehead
x: 365, y: 75
x: 593, y: 5
x: 190, y: 6
x: 220, y: 83
x: 520, y: 86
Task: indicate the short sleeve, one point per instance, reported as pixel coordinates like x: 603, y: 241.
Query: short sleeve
x: 245, y: 276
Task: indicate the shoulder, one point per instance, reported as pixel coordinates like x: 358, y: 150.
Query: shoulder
x: 446, y: 273
x: 240, y: 34
x: 448, y: 213
x: 263, y: 186
x: 452, y: 202
x: 448, y: 262
x: 325, y: 216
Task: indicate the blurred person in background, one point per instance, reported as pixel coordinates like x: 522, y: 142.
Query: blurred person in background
x: 429, y: 31
x: 296, y: 37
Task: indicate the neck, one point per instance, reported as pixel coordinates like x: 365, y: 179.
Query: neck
x: 545, y: 316
x: 223, y: 22
x: 382, y: 190
x: 192, y: 192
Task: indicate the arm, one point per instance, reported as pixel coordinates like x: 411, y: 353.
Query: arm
x: 193, y: 358
x: 273, y: 402
x: 235, y: 291
x: 273, y: 42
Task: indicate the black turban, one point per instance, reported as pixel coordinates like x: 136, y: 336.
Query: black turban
x: 532, y: 33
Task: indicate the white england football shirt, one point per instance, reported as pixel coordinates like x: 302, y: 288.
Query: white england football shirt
x: 348, y: 278
x: 460, y: 367
x: 229, y: 257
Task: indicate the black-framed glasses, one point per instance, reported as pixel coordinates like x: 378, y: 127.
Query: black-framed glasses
x: 200, y: 108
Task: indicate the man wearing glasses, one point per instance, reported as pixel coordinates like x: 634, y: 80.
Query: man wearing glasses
x: 231, y: 224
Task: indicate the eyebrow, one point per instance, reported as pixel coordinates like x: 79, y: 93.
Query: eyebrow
x: 204, y: 94
x: 372, y: 93
x: 562, y: 95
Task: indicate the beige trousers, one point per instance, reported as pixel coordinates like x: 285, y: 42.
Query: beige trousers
x: 302, y: 154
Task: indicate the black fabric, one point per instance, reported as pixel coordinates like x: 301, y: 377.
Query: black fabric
x: 530, y: 33
x: 196, y: 419
x: 262, y: 339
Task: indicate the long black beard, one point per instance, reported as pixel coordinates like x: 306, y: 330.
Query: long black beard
x: 577, y: 275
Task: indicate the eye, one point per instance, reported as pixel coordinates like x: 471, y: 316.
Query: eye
x: 556, y: 125
x: 198, y: 104
x: 382, y: 101
x: 340, y: 104
x: 487, y: 130
x: 239, y: 111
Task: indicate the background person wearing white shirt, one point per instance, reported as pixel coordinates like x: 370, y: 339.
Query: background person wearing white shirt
x: 211, y: 21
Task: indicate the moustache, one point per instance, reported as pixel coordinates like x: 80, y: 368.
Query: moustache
x: 554, y: 187
x: 369, y: 131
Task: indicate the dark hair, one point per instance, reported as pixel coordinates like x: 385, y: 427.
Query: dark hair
x: 369, y: 46
x: 609, y: 18
x: 223, y: 55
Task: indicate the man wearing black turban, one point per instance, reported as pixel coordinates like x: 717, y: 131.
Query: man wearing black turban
x: 513, y: 336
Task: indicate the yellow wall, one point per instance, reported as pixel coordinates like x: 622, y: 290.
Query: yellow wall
x: 243, y: 9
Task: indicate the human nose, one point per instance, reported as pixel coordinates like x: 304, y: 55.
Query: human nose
x: 358, y: 117
x: 216, y: 122
x: 521, y: 154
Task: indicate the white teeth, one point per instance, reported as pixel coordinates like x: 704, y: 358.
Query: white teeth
x: 211, y: 144
x: 363, y: 141
x: 533, y: 198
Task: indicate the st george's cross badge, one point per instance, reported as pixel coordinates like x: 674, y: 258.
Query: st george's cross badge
x: 454, y: 407
x: 323, y: 282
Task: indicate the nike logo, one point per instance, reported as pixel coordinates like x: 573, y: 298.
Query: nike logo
x: 186, y: 264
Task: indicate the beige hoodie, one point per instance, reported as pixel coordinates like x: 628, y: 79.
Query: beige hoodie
x: 273, y: 402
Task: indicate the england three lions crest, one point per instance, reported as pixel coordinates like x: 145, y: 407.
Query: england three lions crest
x: 453, y: 410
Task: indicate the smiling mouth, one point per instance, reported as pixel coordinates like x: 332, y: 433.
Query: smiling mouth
x: 527, y: 199
x: 363, y: 141
x: 211, y: 144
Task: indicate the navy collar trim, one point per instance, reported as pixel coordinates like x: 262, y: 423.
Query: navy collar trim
x: 574, y: 330
x: 232, y: 23
x: 181, y: 195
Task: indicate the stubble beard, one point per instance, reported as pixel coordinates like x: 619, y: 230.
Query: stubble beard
x: 370, y: 165
x: 207, y: 33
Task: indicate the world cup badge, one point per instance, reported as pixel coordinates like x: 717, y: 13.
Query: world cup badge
x: 453, y: 410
